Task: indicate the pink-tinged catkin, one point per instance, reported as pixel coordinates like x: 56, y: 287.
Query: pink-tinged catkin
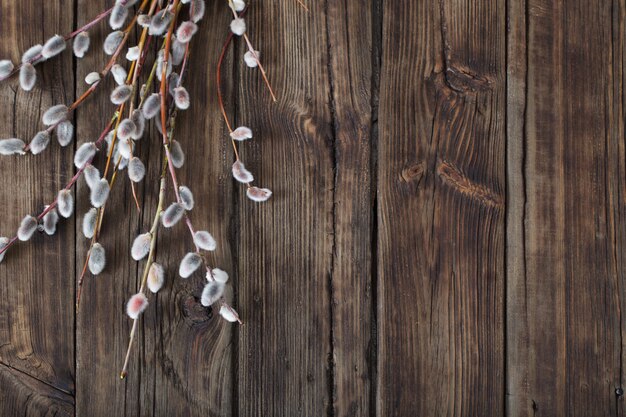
x: 97, y: 259
x: 177, y: 154
x: 6, y: 68
x: 258, y: 194
x: 28, y: 76
x: 100, y: 193
x: 198, y: 8
x: 181, y: 98
x: 241, y: 174
x: 65, y: 132
x: 84, y: 154
x: 136, y: 169
x: 81, y: 44
x: 151, y: 106
x: 32, y: 53
x: 238, y: 26
x: 4, y: 241
x: 136, y: 305
x: 172, y: 215
x: 228, y: 314
x: 241, y: 133
x: 156, y: 277
x: 190, y: 263
x: 186, y: 197
x: 204, y: 240
x: 185, y: 31
x: 89, y: 223
x: 125, y: 129
x: 12, y: 146
x: 118, y: 16
x: 212, y: 292
x: 92, y: 176
x: 141, y: 246
x: 50, y: 221
x: 119, y: 74
x: 112, y: 42
x: 40, y: 142
x: 55, y: 114
x: 140, y: 124
x: 28, y: 226
x: 218, y: 275
x: 252, y: 60
x: 65, y: 203
x: 121, y: 94
x: 53, y: 46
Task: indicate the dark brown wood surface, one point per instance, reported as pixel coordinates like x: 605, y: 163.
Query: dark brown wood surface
x: 445, y: 236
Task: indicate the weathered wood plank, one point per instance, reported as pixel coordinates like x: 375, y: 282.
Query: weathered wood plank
x: 182, y: 361
x: 350, y: 53
x: 441, y: 203
x: 567, y: 170
x: 284, y: 255
x: 36, y: 285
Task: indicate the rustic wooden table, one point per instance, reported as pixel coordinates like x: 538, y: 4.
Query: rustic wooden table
x: 447, y: 234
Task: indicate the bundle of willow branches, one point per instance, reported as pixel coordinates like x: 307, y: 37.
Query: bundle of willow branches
x: 171, y: 25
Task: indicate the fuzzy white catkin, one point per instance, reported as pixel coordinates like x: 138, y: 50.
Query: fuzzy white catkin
x: 204, y: 240
x: 89, y: 222
x: 118, y: 16
x: 40, y: 142
x: 65, y: 203
x: 65, y: 132
x: 160, y: 21
x: 97, y: 259
x: 186, y: 197
x: 238, y: 26
x: 125, y: 148
x: 159, y: 70
x: 12, y: 146
x: 181, y: 98
x: 136, y: 169
x: 125, y: 129
x: 133, y: 53
x: 136, y: 305
x: 241, y: 174
x: 55, y: 114
x: 27, y: 228
x: 84, y: 154
x: 251, y: 59
x: 4, y: 241
x: 141, y: 246
x: 143, y: 20
x: 185, y: 31
x: 172, y: 215
x: 119, y: 74
x: 53, y: 46
x: 140, y: 124
x: 239, y: 5
x: 198, y: 8
x: 50, y: 221
x: 81, y: 44
x: 112, y: 42
x: 177, y: 154
x: 258, y: 194
x: 156, y: 277
x: 121, y: 94
x: 6, y: 67
x: 92, y: 78
x: 178, y: 51
x: 190, y: 263
x: 212, y: 292
x: 151, y: 106
x: 99, y: 193
x: 32, y: 53
x: 219, y: 275
x: 28, y: 76
x: 92, y: 175
x: 228, y: 314
x: 241, y: 133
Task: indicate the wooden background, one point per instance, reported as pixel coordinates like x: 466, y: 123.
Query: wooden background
x: 446, y: 238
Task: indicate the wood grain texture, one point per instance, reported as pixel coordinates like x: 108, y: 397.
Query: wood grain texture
x: 441, y: 204
x: 37, y: 289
